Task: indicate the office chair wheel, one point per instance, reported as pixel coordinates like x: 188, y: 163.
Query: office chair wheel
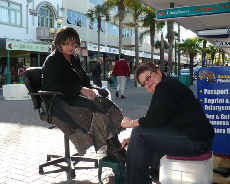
x: 48, y: 158
x: 41, y: 171
x: 73, y: 175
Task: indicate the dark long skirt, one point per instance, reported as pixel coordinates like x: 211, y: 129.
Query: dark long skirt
x: 88, y: 122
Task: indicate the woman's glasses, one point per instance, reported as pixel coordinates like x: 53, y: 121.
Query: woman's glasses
x: 148, y: 77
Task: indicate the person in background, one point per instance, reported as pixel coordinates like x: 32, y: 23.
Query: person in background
x: 21, y: 70
x: 96, y: 72
x: 121, y: 71
x: 83, y: 111
x: 174, y: 125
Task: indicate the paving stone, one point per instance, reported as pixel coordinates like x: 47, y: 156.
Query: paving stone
x: 25, y: 141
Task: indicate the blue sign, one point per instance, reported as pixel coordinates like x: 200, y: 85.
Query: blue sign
x: 213, y: 91
x: 193, y: 11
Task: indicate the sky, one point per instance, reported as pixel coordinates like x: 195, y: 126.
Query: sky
x: 185, y: 33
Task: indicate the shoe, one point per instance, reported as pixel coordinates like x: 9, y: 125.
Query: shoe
x: 117, y: 94
x: 117, y: 156
x: 102, y: 152
x: 115, y: 151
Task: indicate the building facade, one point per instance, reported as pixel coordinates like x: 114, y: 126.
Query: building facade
x: 27, y: 28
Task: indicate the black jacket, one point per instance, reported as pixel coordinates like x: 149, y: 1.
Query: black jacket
x: 174, y: 105
x: 59, y: 75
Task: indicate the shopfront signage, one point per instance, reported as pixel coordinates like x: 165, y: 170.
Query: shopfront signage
x: 193, y: 11
x: 27, y: 46
x: 222, y: 44
x: 213, y: 91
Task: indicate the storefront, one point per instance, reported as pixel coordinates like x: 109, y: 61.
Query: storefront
x: 17, y: 55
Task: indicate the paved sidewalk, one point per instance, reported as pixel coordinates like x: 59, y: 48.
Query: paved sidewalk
x: 25, y: 141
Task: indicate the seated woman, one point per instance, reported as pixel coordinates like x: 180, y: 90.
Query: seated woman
x: 174, y: 125
x: 80, y: 112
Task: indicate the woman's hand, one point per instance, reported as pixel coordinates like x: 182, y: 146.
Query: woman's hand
x: 125, y: 143
x: 129, y: 123
x: 89, y: 93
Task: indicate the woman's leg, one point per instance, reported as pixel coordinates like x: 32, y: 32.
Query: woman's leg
x: 118, y: 83
x: 123, y: 83
x: 147, y: 146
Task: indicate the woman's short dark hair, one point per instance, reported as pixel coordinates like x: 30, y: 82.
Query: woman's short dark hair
x: 64, y: 34
x: 145, y: 67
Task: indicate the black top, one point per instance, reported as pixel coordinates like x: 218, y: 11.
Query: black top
x: 60, y: 75
x: 174, y: 105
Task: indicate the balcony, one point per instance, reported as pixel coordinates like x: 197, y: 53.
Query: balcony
x: 44, y: 34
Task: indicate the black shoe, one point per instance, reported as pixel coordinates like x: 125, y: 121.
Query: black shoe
x: 117, y: 94
x: 115, y: 151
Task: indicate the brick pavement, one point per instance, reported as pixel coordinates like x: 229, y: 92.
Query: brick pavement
x: 25, y: 141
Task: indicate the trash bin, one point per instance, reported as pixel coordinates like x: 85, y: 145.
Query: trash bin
x: 113, y: 82
x: 184, y: 77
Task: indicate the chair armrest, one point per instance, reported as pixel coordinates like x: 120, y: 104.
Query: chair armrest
x: 46, y: 93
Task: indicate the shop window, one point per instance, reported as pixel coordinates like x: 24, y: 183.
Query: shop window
x: 10, y: 13
x: 76, y: 18
x: 126, y: 32
x: 45, y: 17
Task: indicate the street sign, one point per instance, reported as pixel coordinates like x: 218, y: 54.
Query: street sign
x: 193, y: 11
x: 213, y: 92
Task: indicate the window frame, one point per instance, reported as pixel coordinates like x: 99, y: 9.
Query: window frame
x: 14, y: 15
x: 48, y: 20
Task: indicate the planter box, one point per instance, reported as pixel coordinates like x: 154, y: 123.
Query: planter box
x: 15, y: 92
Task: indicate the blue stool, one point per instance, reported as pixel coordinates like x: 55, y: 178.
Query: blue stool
x: 118, y: 169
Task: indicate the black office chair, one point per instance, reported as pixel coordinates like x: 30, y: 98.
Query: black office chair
x: 32, y: 80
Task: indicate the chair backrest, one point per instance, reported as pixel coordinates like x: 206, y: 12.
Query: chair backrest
x: 32, y: 80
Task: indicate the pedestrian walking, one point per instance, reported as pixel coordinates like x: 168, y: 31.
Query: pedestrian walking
x: 96, y: 72
x: 121, y: 72
x: 174, y: 125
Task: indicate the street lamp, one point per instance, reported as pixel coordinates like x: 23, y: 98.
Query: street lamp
x: 59, y: 23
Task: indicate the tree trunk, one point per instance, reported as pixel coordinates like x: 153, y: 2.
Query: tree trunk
x: 204, y: 52
x: 98, y: 36
x: 152, y: 38
x: 191, y: 69
x: 178, y: 73
x: 121, y: 10
x: 223, y: 57
x: 162, y: 61
x: 170, y: 40
x: 120, y: 33
x: 136, y: 44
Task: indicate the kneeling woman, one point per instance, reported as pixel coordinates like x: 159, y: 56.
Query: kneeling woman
x: 80, y: 113
x: 173, y: 125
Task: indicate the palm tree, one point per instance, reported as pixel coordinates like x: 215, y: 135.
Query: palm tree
x: 170, y: 36
x: 191, y: 47
x: 162, y: 46
x: 204, y: 51
x: 212, y: 51
x: 149, y: 21
x: 99, y: 12
x: 158, y: 44
x: 137, y: 10
x: 120, y: 4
